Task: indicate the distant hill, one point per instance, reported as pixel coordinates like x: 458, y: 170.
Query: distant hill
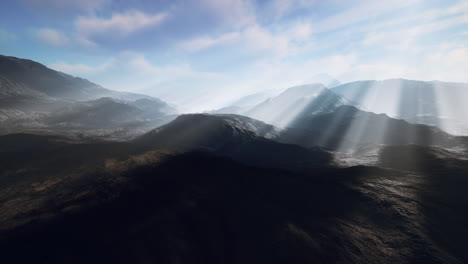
x: 55, y: 84
x: 435, y: 103
x: 248, y: 104
x: 107, y: 112
x: 349, y: 128
x: 34, y: 96
x: 245, y: 103
x: 294, y: 102
x: 238, y: 137
x: 325, y: 79
x: 254, y: 99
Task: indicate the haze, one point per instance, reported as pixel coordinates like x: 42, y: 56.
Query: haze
x: 202, y: 55
x: 233, y: 131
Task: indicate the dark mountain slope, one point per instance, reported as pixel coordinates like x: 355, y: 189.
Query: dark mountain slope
x: 153, y: 106
x: 19, y: 101
x: 55, y: 84
x: 442, y: 175
x: 238, y: 137
x: 109, y: 113
x: 33, y: 96
x: 28, y: 158
x: 200, y: 208
x: 103, y: 112
x: 231, y: 136
x: 350, y: 128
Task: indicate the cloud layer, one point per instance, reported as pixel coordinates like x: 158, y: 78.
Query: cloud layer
x: 52, y: 37
x: 121, y: 24
x: 191, y: 52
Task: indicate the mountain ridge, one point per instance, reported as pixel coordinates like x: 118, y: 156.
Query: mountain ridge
x: 55, y: 83
x: 285, y: 107
x: 32, y: 96
x: 347, y: 128
x: 425, y: 102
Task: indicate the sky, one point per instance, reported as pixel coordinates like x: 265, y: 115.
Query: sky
x: 203, y: 54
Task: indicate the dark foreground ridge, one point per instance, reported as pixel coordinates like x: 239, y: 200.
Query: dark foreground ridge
x: 72, y: 200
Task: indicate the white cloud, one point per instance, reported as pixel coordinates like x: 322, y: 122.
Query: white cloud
x: 176, y: 83
x: 139, y: 63
x: 280, y: 74
x: 260, y: 39
x: 201, y: 43
x: 84, y: 42
x: 133, y: 64
x: 300, y: 31
x: 450, y: 63
x: 280, y: 8
x: 51, y: 37
x: 278, y: 43
x: 119, y: 23
x: 446, y: 62
x: 81, y: 70
x: 404, y: 39
x: 234, y: 13
x: 83, y: 5
x: 364, y: 11
x: 6, y: 36
x: 361, y: 51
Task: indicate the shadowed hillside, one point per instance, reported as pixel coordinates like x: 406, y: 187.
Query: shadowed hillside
x: 238, y: 137
x: 348, y: 128
x: 200, y: 208
x: 34, y: 97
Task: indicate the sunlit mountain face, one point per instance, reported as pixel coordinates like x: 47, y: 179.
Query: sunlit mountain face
x: 233, y: 131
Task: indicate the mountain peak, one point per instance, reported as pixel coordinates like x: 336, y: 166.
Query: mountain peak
x: 52, y: 83
x: 295, y: 102
x: 231, y: 125
x: 304, y: 89
x: 326, y: 80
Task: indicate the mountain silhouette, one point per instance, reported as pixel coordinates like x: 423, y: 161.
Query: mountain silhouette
x: 432, y: 103
x: 45, y: 81
x: 33, y: 96
x: 241, y: 138
x: 348, y: 128
x: 284, y: 108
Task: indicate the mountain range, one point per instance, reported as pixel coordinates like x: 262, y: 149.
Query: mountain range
x: 46, y: 82
x: 33, y: 96
x: 282, y: 109
x: 348, y: 128
x: 432, y: 103
x: 316, y: 173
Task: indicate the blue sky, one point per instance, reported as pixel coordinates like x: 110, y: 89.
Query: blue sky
x: 203, y: 54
